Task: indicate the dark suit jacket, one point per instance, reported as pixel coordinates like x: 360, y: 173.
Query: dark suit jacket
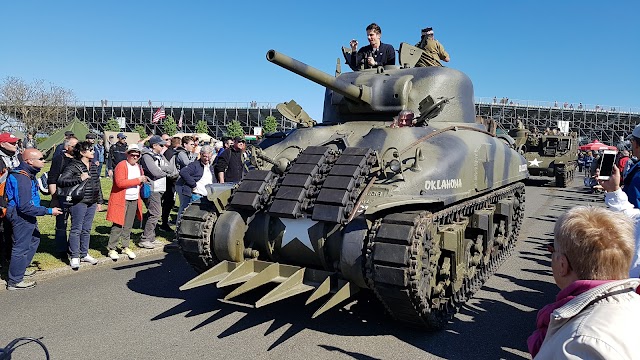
x: 386, y: 55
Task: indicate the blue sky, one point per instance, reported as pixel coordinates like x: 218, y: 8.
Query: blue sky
x: 574, y: 51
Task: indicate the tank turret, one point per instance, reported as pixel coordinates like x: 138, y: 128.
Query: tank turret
x: 381, y: 93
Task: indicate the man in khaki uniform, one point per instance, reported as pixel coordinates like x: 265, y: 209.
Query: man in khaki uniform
x: 433, y: 50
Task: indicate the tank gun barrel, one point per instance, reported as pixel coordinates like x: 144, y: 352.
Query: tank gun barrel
x: 356, y: 93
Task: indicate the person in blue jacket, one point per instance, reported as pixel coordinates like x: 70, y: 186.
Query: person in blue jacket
x: 22, y: 209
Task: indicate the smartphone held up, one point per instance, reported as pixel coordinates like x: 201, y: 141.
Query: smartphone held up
x: 607, y: 164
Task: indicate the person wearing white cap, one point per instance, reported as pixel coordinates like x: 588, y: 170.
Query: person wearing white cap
x: 433, y: 50
x: 125, y: 203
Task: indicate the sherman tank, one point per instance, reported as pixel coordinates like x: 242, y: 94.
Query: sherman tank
x: 418, y: 216
x: 550, y: 156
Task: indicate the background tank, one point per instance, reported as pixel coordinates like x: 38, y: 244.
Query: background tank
x: 418, y: 216
x: 554, y: 156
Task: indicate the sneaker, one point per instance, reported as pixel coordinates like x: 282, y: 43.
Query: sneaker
x: 30, y: 273
x: 22, y: 285
x: 165, y: 227
x: 157, y: 242
x: 75, y: 263
x: 114, y: 255
x: 89, y: 259
x: 129, y: 253
x: 146, y: 245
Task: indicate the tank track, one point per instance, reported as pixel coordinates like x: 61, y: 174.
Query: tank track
x: 402, y: 279
x: 321, y: 183
x: 194, y: 235
x: 564, y: 177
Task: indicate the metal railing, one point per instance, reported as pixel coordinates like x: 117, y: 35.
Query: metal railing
x: 556, y: 105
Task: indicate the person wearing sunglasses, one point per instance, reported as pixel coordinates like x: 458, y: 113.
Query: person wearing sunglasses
x: 22, y: 209
x: 82, y: 169
x: 597, y: 311
x: 125, y: 203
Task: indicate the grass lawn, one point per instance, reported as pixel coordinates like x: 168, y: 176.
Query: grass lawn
x: 45, y: 259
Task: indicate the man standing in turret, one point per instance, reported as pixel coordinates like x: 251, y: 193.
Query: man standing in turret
x: 433, y: 50
x: 373, y: 55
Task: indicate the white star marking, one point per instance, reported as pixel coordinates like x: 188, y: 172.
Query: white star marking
x: 297, y: 229
x: 535, y: 162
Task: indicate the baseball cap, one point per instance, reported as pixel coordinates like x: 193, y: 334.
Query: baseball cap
x: 156, y: 139
x: 122, y: 136
x: 90, y: 136
x: 239, y: 139
x: 133, y: 147
x: 7, y: 137
x: 68, y: 133
x: 635, y: 133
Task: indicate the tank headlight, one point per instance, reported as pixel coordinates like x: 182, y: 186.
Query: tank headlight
x: 394, y: 165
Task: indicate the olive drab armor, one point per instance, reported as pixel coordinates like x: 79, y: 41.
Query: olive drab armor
x: 419, y: 216
x: 554, y: 156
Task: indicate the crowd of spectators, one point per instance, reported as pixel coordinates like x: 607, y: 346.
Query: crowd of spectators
x: 164, y: 164
x: 556, y: 105
x: 596, y: 264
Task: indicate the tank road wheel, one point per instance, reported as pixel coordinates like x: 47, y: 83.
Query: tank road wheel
x: 412, y: 276
x: 400, y: 267
x: 195, y: 235
x: 561, y: 177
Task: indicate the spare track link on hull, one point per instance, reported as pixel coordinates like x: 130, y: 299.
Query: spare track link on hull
x: 194, y: 235
x: 401, y: 271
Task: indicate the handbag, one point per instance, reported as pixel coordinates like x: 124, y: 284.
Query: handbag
x: 145, y: 190
x: 72, y: 194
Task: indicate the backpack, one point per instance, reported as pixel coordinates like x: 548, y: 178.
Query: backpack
x: 172, y: 163
x: 4, y: 200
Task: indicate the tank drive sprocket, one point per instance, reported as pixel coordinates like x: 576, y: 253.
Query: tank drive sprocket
x: 195, y: 232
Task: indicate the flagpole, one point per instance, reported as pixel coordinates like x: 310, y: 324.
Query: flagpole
x: 155, y: 126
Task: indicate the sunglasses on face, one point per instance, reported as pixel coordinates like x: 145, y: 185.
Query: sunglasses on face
x: 135, y: 155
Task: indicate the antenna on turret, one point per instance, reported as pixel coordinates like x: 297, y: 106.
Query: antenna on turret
x: 338, y: 67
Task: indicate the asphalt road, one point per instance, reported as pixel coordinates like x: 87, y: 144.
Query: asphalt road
x: 134, y: 310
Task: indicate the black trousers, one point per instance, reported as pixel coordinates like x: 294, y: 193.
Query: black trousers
x: 168, y: 201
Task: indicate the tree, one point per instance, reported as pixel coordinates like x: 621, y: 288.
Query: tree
x: 112, y: 125
x: 170, y: 126
x: 41, y: 108
x: 202, y: 127
x: 270, y: 124
x: 235, y: 129
x: 140, y: 129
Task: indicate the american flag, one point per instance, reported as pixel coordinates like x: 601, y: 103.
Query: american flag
x: 158, y: 115
x: 180, y: 121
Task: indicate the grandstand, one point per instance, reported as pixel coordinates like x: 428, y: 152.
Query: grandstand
x: 216, y: 114
x: 605, y: 123
x: 608, y: 124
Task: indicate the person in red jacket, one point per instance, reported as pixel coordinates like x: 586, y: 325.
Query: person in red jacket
x: 125, y: 202
x: 622, y: 162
